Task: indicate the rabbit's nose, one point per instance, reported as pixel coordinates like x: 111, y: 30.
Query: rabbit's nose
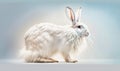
x: 87, y: 33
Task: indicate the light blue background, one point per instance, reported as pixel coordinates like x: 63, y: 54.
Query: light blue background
x: 101, y: 16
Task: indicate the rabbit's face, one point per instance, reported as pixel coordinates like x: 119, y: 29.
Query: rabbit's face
x: 81, y: 30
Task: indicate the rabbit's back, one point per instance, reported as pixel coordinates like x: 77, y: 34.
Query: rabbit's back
x: 43, y: 30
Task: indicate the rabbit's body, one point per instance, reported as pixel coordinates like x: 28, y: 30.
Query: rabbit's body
x: 43, y: 40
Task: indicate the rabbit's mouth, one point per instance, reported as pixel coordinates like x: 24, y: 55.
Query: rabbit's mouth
x: 87, y: 34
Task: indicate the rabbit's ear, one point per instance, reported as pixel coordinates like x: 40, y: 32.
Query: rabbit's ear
x: 70, y: 13
x: 78, y: 14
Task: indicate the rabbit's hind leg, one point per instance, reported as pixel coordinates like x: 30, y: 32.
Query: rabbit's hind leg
x: 44, y: 60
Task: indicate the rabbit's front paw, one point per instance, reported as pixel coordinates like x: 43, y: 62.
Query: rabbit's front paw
x: 71, y: 61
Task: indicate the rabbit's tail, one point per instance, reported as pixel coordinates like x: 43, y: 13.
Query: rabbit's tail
x: 28, y: 55
x: 34, y: 57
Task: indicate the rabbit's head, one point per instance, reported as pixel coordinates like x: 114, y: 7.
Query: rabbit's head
x: 80, y: 28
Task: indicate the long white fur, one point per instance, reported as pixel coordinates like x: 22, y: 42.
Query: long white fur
x: 46, y: 39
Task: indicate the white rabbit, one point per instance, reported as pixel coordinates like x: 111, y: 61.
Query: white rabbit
x: 43, y: 40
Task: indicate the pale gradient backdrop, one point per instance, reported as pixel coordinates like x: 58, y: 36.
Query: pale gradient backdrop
x: 101, y: 16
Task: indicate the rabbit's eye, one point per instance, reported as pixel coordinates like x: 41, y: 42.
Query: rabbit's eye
x: 79, y: 26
